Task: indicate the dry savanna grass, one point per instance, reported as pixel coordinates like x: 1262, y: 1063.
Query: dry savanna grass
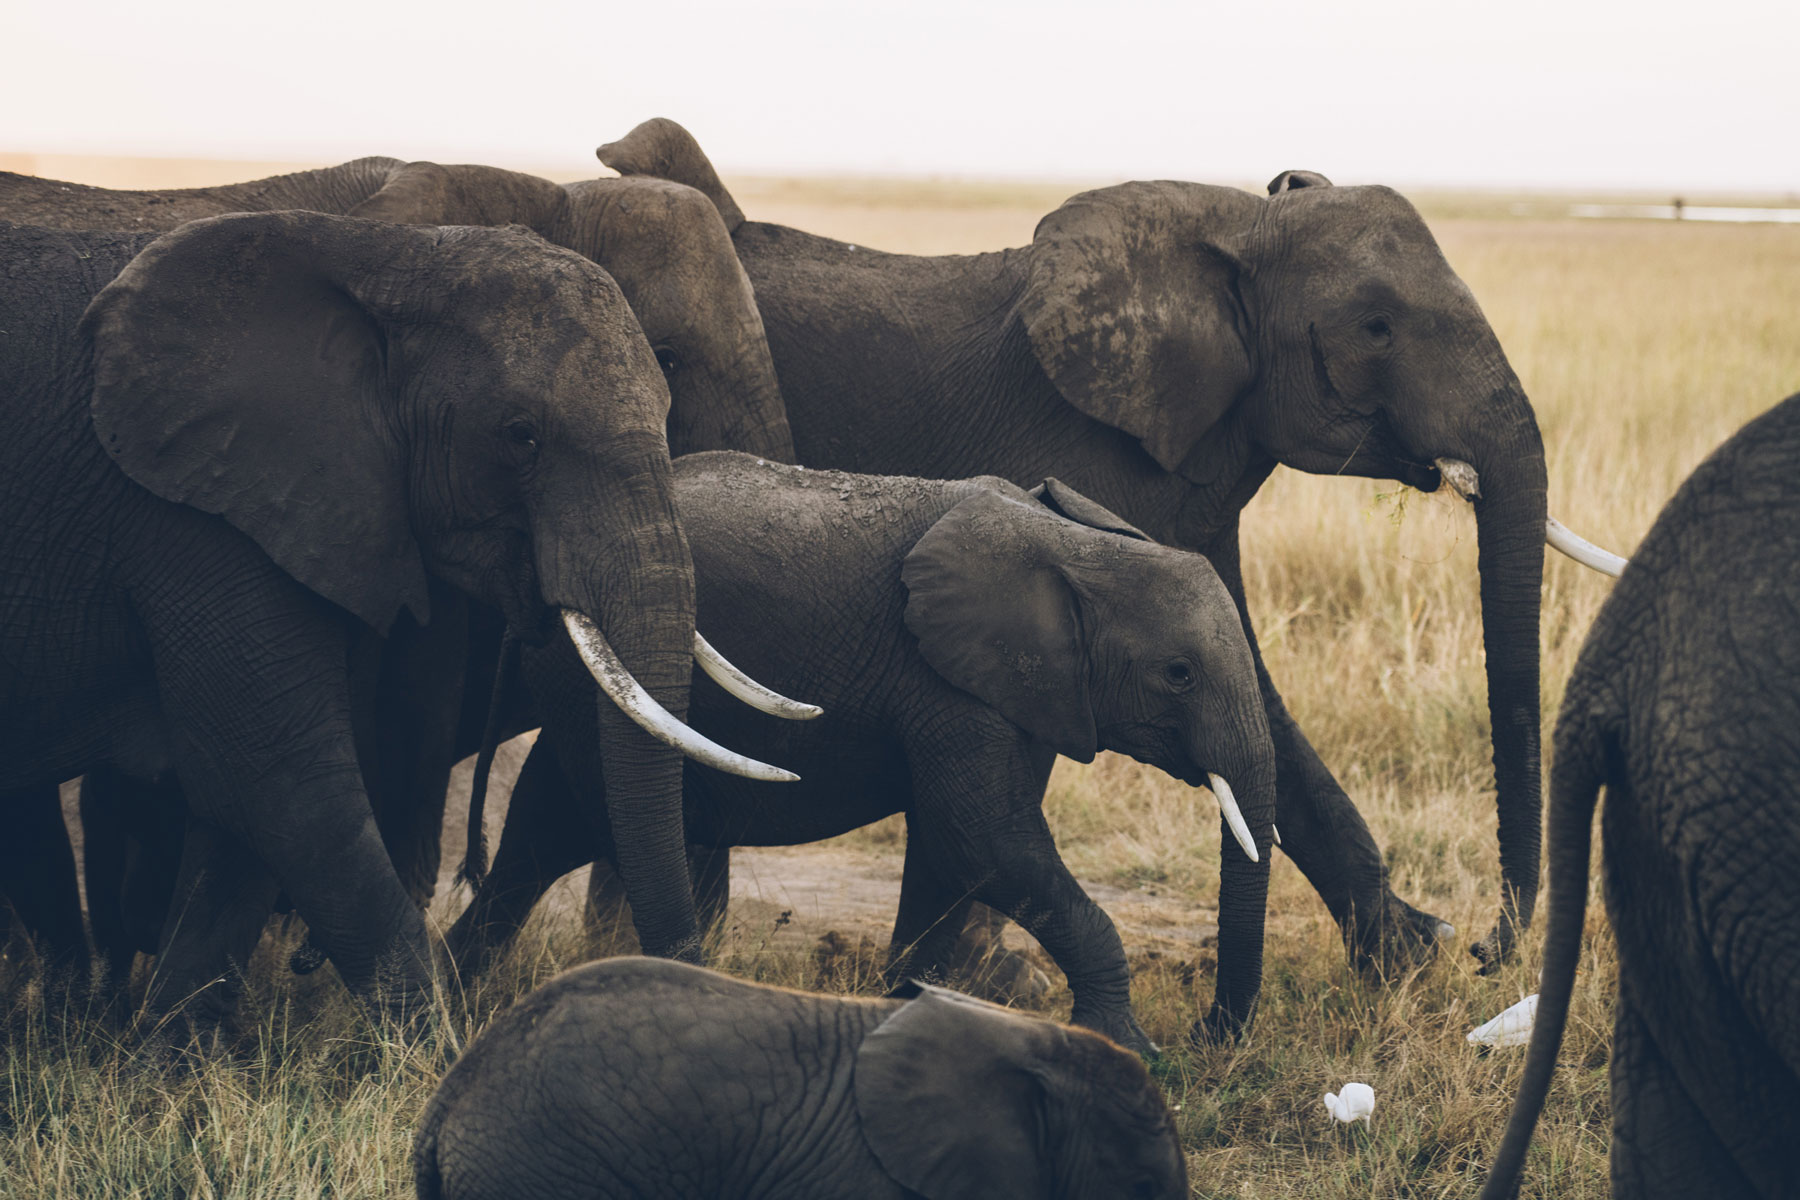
x: 1643, y: 345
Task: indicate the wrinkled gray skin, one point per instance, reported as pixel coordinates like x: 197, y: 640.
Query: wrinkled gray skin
x: 959, y: 635
x: 663, y: 244
x: 241, y: 457
x: 1685, y: 707
x: 1162, y: 347
x: 648, y: 1079
x: 668, y: 250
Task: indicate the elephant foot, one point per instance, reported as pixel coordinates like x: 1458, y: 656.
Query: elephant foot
x: 1123, y: 1028
x: 1216, y: 1028
x: 1495, y: 949
x: 984, y: 966
x: 1402, y: 940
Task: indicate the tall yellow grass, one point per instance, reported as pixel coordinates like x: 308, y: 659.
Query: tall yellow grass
x: 1642, y: 346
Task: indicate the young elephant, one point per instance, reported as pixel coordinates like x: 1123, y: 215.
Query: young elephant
x: 959, y: 635
x: 645, y: 1078
x: 1685, y: 706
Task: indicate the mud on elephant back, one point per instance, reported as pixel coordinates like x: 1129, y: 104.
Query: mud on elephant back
x: 1162, y: 347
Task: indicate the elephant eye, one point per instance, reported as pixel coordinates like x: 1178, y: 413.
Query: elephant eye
x: 521, y: 433
x: 1379, y: 331
x: 667, y: 359
x: 1179, y: 674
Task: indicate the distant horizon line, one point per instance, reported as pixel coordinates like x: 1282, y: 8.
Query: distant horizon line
x: 525, y: 163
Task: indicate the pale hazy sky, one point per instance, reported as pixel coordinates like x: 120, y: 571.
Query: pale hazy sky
x: 1573, y: 93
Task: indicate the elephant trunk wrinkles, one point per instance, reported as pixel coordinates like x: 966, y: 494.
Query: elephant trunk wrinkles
x: 1509, y: 520
x: 644, y: 605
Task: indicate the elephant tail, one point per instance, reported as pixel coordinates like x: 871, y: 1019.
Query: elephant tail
x: 1582, y: 752
x: 474, y: 866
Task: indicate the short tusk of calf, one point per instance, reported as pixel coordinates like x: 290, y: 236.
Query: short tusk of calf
x: 1234, y: 816
x: 1580, y: 549
x: 1461, y: 477
x: 1277, y: 833
x: 653, y: 718
x: 754, y: 694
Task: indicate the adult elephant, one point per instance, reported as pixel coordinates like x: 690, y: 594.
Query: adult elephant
x: 1162, y: 347
x: 668, y: 250
x: 271, y: 431
x: 1685, y: 706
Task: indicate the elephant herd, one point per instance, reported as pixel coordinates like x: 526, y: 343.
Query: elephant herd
x: 316, y: 485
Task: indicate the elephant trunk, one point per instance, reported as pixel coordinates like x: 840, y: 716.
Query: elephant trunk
x: 640, y: 603
x: 1247, y: 772
x: 1509, y: 518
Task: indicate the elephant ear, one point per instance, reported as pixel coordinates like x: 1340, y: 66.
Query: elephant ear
x: 996, y: 616
x: 237, y: 370
x: 952, y: 1095
x: 1132, y: 309
x: 664, y: 149
x: 424, y: 193
x: 1071, y: 505
x: 1289, y: 181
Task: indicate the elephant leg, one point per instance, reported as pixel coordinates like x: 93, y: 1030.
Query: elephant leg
x: 1014, y: 867
x: 930, y: 919
x: 544, y: 839
x: 221, y: 901
x: 262, y: 739
x: 1663, y: 1145
x: 37, y: 878
x: 418, y: 704
x: 1321, y: 830
x: 608, y: 913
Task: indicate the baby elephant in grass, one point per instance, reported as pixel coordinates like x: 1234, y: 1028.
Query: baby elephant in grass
x: 648, y: 1078
x: 958, y: 635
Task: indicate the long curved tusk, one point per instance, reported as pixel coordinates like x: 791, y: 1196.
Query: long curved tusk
x: 1234, y: 816
x: 652, y: 717
x: 747, y: 689
x: 1461, y: 477
x: 1580, y: 549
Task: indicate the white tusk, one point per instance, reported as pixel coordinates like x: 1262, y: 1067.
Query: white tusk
x: 652, y: 717
x: 1277, y: 834
x: 1460, y: 476
x: 1234, y: 816
x: 747, y: 689
x: 1580, y: 549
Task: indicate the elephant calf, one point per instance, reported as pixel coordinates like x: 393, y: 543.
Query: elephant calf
x: 959, y: 635
x: 647, y: 1078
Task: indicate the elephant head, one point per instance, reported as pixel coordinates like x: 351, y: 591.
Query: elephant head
x: 1321, y: 328
x: 959, y: 1098
x: 1089, y: 636
x: 373, y: 403
x: 666, y: 247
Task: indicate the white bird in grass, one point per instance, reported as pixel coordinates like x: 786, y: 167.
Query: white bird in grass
x: 1355, y: 1103
x: 1510, y: 1028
